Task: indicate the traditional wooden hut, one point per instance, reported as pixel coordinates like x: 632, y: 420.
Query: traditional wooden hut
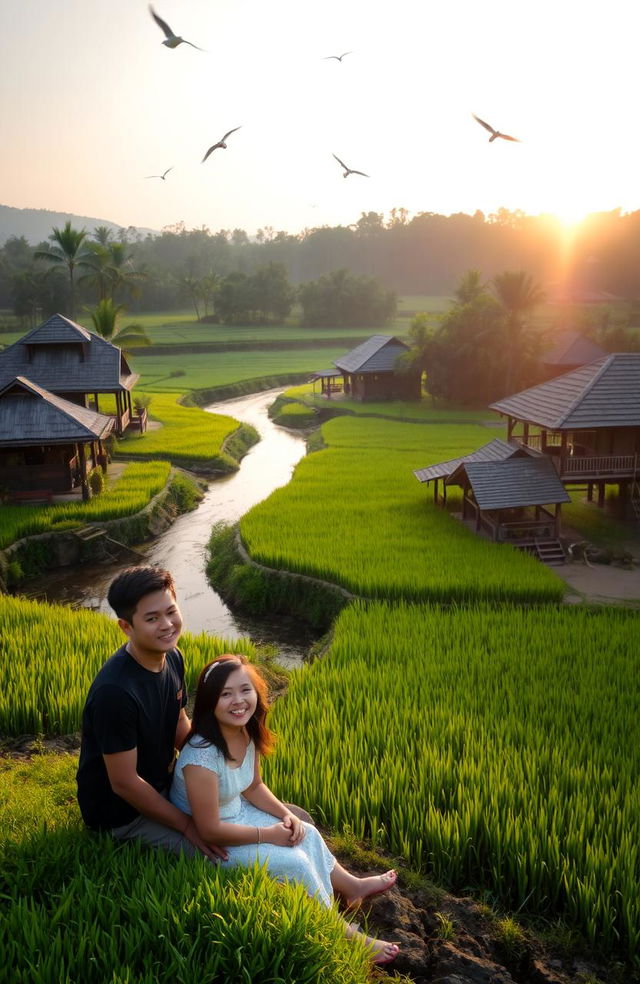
x: 569, y: 351
x: 72, y: 362
x: 47, y: 444
x: 588, y: 423
x: 370, y: 371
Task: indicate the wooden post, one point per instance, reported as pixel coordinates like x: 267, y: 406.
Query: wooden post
x: 525, y: 436
x: 510, y: 423
x: 83, y: 473
x: 589, y: 491
x: 556, y: 519
x: 600, y: 495
x: 435, y: 491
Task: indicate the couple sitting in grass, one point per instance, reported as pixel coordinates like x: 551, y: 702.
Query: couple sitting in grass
x: 211, y: 800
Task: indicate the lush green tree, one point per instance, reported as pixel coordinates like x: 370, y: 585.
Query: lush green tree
x: 234, y: 300
x: 106, y: 317
x: 518, y: 295
x: 470, y: 286
x: 272, y: 294
x: 67, y: 250
x: 341, y: 299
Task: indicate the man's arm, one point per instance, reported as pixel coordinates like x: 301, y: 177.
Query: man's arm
x: 126, y: 783
x: 182, y: 729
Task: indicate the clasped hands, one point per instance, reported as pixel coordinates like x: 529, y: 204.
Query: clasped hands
x: 289, y: 832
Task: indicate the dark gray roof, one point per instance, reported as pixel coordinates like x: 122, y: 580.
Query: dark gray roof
x: 605, y: 393
x: 327, y: 374
x: 31, y: 415
x: 571, y: 349
x: 496, y: 450
x: 64, y: 357
x: 55, y: 331
x: 378, y: 354
x: 515, y: 482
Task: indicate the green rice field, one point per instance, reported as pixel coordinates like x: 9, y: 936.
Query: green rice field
x: 43, y: 693
x: 354, y: 514
x: 187, y: 435
x: 489, y: 747
x: 422, y: 410
x: 123, y: 497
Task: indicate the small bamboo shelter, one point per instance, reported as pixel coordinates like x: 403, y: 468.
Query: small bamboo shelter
x: 587, y: 422
x: 371, y: 371
x: 47, y: 444
x: 71, y: 362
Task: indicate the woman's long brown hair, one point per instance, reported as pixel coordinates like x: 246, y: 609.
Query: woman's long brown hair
x: 211, y: 683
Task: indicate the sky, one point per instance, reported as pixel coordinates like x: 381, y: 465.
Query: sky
x: 91, y: 102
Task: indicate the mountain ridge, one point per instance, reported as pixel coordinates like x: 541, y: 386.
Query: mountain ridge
x: 35, y: 224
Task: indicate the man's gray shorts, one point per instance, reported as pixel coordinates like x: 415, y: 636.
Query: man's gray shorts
x: 158, y: 835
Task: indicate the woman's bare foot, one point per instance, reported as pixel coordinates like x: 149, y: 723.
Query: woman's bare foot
x: 374, y: 885
x: 381, y: 951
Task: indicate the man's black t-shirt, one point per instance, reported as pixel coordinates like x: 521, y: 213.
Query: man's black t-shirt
x: 128, y: 707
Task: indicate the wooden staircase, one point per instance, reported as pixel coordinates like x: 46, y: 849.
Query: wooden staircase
x: 550, y: 552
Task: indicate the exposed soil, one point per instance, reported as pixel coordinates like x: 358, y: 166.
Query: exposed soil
x: 444, y: 939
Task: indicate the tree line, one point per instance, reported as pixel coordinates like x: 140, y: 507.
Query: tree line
x: 73, y: 267
x: 423, y: 254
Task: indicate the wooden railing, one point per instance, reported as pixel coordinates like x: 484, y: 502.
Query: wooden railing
x: 618, y: 465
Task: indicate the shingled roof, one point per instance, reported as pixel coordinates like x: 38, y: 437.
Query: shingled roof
x: 571, y: 349
x: 514, y: 482
x: 31, y: 415
x: 496, y: 450
x: 605, y: 393
x: 63, y: 357
x: 378, y: 354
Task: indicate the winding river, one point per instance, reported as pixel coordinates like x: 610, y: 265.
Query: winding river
x: 267, y: 466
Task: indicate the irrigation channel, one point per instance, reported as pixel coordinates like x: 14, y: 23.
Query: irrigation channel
x: 267, y: 466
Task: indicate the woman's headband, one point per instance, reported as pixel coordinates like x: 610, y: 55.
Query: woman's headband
x: 218, y: 662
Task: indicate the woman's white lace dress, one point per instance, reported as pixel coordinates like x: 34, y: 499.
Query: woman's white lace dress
x: 310, y: 863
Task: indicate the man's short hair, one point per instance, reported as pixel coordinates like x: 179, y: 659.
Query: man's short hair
x: 132, y: 584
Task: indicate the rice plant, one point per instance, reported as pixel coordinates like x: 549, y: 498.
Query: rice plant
x: 488, y: 747
x: 124, y: 497
x: 49, y: 655
x: 188, y: 435
x: 355, y: 515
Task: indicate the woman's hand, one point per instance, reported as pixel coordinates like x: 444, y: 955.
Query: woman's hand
x: 277, y: 834
x: 296, y: 828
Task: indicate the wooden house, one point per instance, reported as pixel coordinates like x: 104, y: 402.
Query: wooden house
x: 508, y: 492
x: 587, y: 422
x: 73, y: 363
x: 370, y: 371
x: 47, y: 444
x: 569, y: 350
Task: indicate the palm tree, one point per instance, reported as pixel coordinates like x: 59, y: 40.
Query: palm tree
x: 66, y: 251
x: 518, y: 294
x: 105, y: 322
x: 469, y: 287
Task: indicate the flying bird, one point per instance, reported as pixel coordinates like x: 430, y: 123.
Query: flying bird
x: 348, y: 170
x: 494, y: 133
x: 161, y: 176
x: 220, y: 143
x: 171, y: 40
x: 337, y: 57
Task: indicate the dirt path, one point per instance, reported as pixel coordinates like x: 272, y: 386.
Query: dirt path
x: 601, y: 584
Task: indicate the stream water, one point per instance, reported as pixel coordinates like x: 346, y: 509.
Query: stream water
x: 267, y: 466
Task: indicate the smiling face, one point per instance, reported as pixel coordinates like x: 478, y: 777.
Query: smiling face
x: 237, y: 701
x: 155, y: 626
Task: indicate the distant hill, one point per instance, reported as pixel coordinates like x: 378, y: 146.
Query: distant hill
x: 35, y: 224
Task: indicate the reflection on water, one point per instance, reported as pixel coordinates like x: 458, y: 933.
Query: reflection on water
x: 182, y: 548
